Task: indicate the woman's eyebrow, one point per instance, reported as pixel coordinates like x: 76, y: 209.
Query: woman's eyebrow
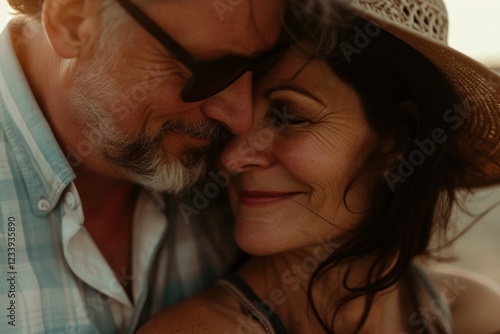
x: 294, y: 88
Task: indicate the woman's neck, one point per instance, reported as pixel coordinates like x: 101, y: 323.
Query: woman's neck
x: 281, y: 281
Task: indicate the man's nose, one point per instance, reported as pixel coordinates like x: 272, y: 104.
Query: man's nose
x: 252, y: 151
x: 233, y: 106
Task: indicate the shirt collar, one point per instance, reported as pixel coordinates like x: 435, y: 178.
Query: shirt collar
x: 44, y: 168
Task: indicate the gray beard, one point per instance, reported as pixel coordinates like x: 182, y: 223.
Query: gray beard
x: 142, y: 158
x: 145, y: 162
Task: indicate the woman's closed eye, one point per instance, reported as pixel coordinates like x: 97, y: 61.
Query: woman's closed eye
x: 283, y: 114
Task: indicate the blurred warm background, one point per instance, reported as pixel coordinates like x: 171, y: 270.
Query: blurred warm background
x: 474, y: 28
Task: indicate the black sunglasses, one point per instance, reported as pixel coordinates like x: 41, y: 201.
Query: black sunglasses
x: 208, y: 77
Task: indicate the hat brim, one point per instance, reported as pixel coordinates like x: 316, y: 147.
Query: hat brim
x: 478, y: 88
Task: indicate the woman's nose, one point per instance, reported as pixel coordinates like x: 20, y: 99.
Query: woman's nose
x: 233, y: 107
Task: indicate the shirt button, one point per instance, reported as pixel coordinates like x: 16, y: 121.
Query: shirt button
x: 71, y: 200
x: 43, y: 205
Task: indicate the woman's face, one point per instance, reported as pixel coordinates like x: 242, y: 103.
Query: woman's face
x: 308, y: 138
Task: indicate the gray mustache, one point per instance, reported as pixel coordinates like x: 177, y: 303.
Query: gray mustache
x: 209, y: 130
x: 138, y: 154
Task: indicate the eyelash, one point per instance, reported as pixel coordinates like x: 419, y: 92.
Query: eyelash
x: 284, y: 114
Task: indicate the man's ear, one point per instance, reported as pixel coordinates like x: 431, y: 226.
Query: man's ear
x: 70, y: 24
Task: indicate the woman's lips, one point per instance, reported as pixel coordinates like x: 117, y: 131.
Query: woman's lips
x: 253, y: 198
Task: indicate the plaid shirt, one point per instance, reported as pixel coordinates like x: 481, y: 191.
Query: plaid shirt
x: 53, y: 279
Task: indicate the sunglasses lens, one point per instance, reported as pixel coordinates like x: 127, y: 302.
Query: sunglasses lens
x: 213, y: 78
x: 202, y: 87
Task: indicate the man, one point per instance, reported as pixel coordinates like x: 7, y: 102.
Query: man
x: 103, y: 105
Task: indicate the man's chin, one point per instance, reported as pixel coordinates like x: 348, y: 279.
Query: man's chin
x: 173, y: 178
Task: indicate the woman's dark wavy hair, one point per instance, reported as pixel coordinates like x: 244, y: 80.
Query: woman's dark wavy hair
x: 404, y: 98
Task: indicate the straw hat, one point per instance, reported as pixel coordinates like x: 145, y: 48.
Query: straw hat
x: 423, y: 24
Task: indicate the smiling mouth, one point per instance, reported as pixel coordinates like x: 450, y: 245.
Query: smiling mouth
x: 255, y: 198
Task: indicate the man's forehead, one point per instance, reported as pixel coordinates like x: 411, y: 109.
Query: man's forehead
x: 244, y: 27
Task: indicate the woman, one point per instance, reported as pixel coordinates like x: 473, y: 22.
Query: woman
x: 361, y: 140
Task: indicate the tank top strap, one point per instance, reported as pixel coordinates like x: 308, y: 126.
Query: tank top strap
x: 438, y: 313
x: 251, y: 304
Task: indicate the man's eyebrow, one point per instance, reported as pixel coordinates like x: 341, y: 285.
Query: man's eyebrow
x: 294, y: 88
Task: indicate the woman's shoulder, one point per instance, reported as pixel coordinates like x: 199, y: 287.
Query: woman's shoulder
x: 474, y: 299
x: 213, y: 311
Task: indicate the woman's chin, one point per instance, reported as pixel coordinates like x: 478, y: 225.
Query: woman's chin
x: 259, y: 238
x: 255, y: 246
